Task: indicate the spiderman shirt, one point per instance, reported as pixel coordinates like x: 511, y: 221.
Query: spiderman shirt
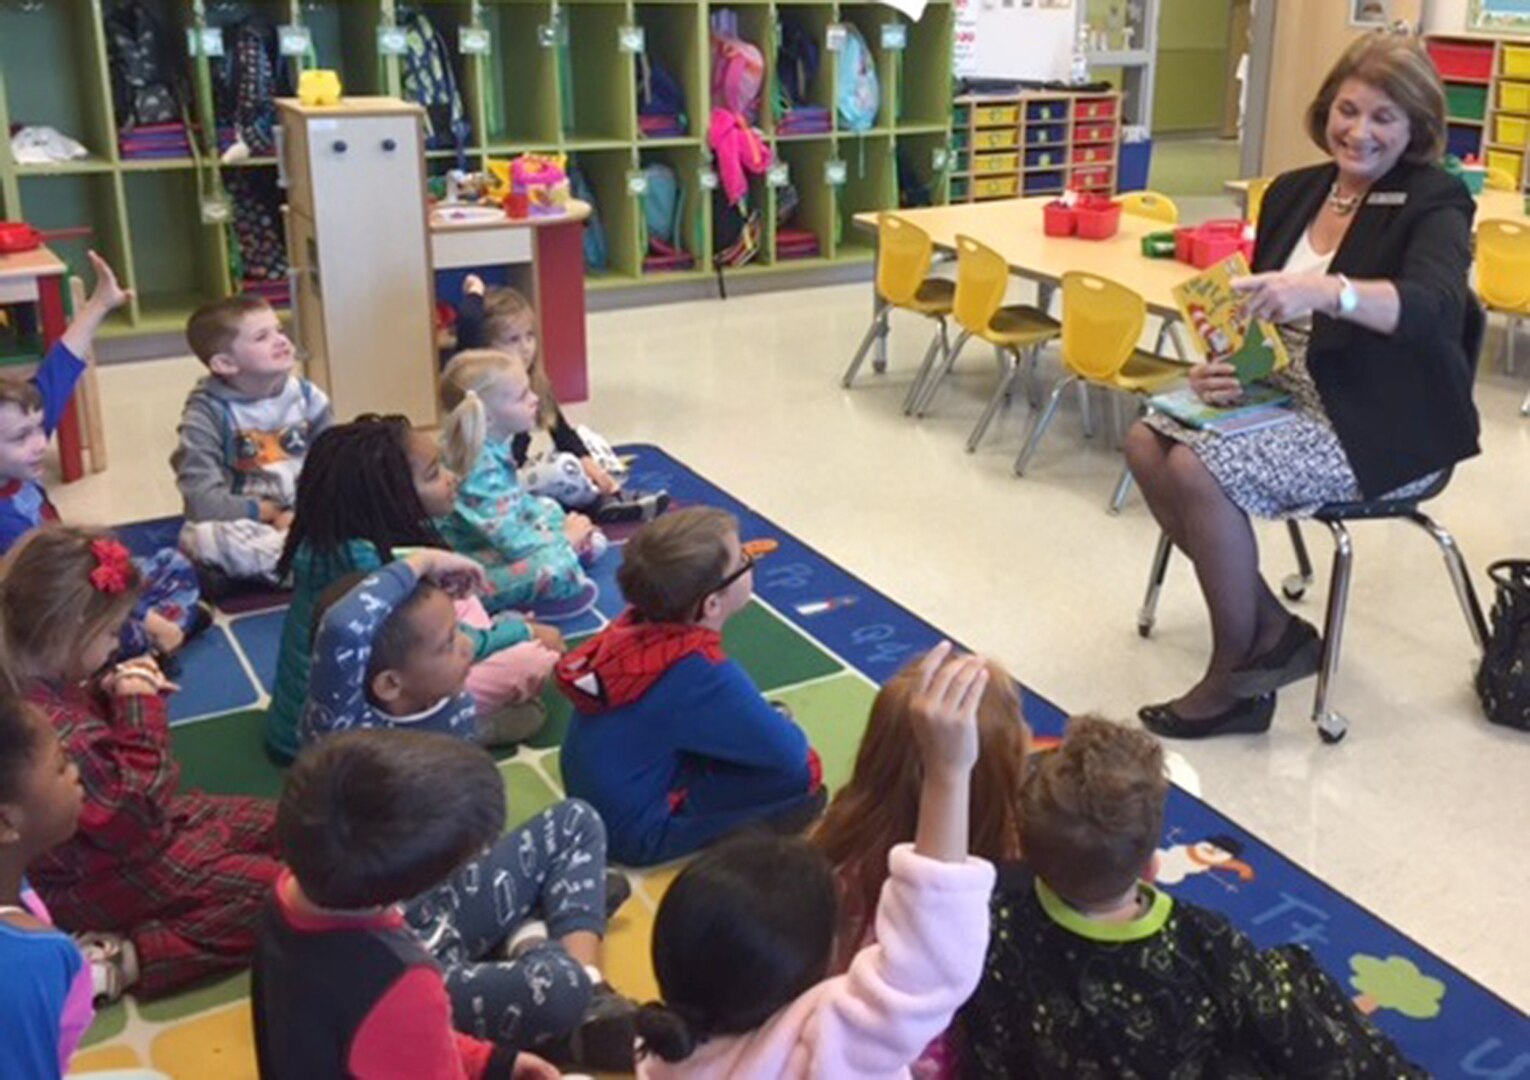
x: 673, y: 743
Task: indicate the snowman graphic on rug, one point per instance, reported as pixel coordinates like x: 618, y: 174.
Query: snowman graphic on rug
x: 1219, y: 853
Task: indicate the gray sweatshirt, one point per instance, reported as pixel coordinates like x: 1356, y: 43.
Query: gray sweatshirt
x: 235, y: 451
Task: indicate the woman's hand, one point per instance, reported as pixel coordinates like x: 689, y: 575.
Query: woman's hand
x: 602, y: 480
x: 457, y: 575
x: 1216, y: 383
x: 1281, y: 297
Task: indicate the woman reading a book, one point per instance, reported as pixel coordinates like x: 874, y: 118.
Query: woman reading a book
x: 1362, y: 264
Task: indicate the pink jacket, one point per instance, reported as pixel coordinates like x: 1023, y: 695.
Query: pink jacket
x: 872, y: 1021
x: 737, y: 147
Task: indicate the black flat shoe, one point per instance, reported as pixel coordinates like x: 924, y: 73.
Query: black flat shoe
x: 1247, y: 716
x: 1296, y: 656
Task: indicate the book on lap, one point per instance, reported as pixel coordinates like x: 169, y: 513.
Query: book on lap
x: 1261, y: 406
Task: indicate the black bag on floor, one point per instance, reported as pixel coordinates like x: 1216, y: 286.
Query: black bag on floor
x: 1503, y: 680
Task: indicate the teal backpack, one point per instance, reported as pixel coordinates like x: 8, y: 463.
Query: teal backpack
x: 855, y: 70
x: 595, y: 255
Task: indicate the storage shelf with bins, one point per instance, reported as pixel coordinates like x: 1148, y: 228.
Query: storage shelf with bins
x: 1487, y: 98
x: 557, y: 77
x: 1034, y: 144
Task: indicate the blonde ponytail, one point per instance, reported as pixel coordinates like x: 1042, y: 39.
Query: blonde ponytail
x: 466, y: 427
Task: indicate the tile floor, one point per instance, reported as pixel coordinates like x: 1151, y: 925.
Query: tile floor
x: 1420, y: 814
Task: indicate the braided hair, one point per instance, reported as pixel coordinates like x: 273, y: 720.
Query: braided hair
x: 356, y: 484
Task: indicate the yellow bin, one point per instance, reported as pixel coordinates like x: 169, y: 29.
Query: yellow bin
x: 1512, y: 130
x: 995, y: 187
x: 1509, y: 162
x: 995, y: 163
x: 1516, y: 61
x: 1514, y: 97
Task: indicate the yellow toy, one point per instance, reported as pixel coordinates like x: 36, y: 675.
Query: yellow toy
x: 320, y: 86
x: 497, y: 184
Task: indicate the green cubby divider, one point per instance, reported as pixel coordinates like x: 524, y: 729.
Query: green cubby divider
x: 927, y: 68
x: 604, y: 94
x: 695, y: 234
x: 606, y: 171
x: 178, y: 263
x: 917, y: 152
x: 90, y: 200
x: 675, y: 37
x: 868, y: 19
x: 39, y: 43
x: 344, y: 38
x: 871, y: 184
x: 520, y: 78
x: 816, y: 210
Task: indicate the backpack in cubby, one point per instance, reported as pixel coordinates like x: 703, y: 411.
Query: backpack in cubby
x: 144, y: 62
x: 596, y: 256
x: 663, y: 205
x: 860, y: 94
x: 738, y: 68
x: 661, y: 101
x: 429, y: 79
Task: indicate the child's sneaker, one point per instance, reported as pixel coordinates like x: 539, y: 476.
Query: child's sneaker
x: 571, y: 607
x: 113, y: 964
x: 629, y: 507
x: 618, y: 891
x: 603, y: 1041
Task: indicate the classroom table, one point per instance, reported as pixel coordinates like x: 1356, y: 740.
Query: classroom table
x: 1498, y: 205
x: 37, y: 277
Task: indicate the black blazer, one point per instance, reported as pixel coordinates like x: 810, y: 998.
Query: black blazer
x: 1401, y: 403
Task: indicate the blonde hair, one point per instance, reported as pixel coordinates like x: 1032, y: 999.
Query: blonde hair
x: 466, y: 427
x: 1396, y: 65
x: 49, y: 606
x: 502, y: 306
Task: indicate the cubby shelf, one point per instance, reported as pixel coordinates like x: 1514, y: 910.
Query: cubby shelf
x: 1487, y: 89
x: 557, y: 77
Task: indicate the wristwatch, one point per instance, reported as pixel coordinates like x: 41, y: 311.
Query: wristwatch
x: 1349, y: 296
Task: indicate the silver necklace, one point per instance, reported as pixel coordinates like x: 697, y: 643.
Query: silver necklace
x: 1343, y: 205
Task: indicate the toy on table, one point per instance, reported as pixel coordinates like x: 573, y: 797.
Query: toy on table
x: 319, y: 86
x: 543, y: 180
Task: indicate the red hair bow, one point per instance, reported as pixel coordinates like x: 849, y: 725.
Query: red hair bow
x: 114, y: 566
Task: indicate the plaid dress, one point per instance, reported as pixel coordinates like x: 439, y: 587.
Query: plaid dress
x: 184, y: 876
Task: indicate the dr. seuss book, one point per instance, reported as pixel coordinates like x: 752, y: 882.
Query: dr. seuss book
x: 1219, y: 322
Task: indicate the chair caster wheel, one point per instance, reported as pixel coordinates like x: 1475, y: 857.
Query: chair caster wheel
x: 880, y: 367
x: 1144, y: 629
x: 1332, y: 727
x: 1294, y: 587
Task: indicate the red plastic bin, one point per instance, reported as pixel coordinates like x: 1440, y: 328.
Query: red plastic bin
x: 1098, y: 219
x: 1214, y: 241
x: 1094, y: 133
x: 1462, y: 61
x: 1058, y: 219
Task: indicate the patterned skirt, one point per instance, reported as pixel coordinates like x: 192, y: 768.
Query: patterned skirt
x: 1288, y: 470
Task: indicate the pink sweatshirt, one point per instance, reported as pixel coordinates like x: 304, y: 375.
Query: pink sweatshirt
x: 872, y: 1021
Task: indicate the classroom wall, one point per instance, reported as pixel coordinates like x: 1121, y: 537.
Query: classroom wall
x: 1191, y: 88
x: 1445, y: 16
x: 1309, y: 36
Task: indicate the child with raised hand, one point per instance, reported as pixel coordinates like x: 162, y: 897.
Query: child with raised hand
x: 534, y: 553
x: 390, y: 928
x: 370, y: 489
x: 175, y: 877
x: 45, y: 996
x: 244, y: 433
x: 879, y: 808
x: 672, y: 741
x: 744, y: 937
x: 1094, y: 972
x: 570, y: 473
x: 168, y: 610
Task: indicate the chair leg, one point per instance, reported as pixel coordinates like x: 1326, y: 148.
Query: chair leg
x: 1460, y: 577
x: 1508, y: 347
x: 1123, y: 489
x: 1172, y: 329
x: 919, y: 398
x: 936, y: 350
x: 1331, y: 726
x: 1041, y: 423
x: 1524, y: 408
x: 1147, y: 615
x: 1295, y: 586
x: 1000, y: 395
x: 1085, y: 409
x: 877, y: 329
x: 1163, y: 334
x: 1033, y: 379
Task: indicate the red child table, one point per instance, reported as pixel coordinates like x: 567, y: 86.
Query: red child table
x: 37, y: 277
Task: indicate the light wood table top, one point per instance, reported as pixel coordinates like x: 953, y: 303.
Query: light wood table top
x: 1499, y: 205
x: 1013, y: 228
x: 39, y: 262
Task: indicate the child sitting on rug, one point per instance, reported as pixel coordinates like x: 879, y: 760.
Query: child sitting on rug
x: 45, y: 996
x: 244, y: 433
x: 389, y: 652
x: 671, y: 741
x: 743, y: 939
x: 1094, y: 972
x: 569, y: 473
x: 398, y: 876
x: 879, y: 808
x: 534, y: 553
x: 169, y: 610
x: 370, y: 487
x: 178, y: 875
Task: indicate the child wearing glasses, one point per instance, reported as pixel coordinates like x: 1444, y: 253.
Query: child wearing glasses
x: 671, y: 741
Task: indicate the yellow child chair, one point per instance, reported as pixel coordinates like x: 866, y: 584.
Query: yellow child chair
x: 1253, y: 200
x: 982, y: 278
x: 904, y: 256
x: 1102, y: 322
x: 1503, y: 278
x: 1149, y: 204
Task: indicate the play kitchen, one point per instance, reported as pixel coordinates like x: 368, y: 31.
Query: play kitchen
x: 375, y: 243
x: 18, y: 236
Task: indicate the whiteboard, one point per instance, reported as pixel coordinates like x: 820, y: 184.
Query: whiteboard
x: 1013, y: 40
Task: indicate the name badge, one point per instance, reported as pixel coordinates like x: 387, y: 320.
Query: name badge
x: 1386, y: 198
